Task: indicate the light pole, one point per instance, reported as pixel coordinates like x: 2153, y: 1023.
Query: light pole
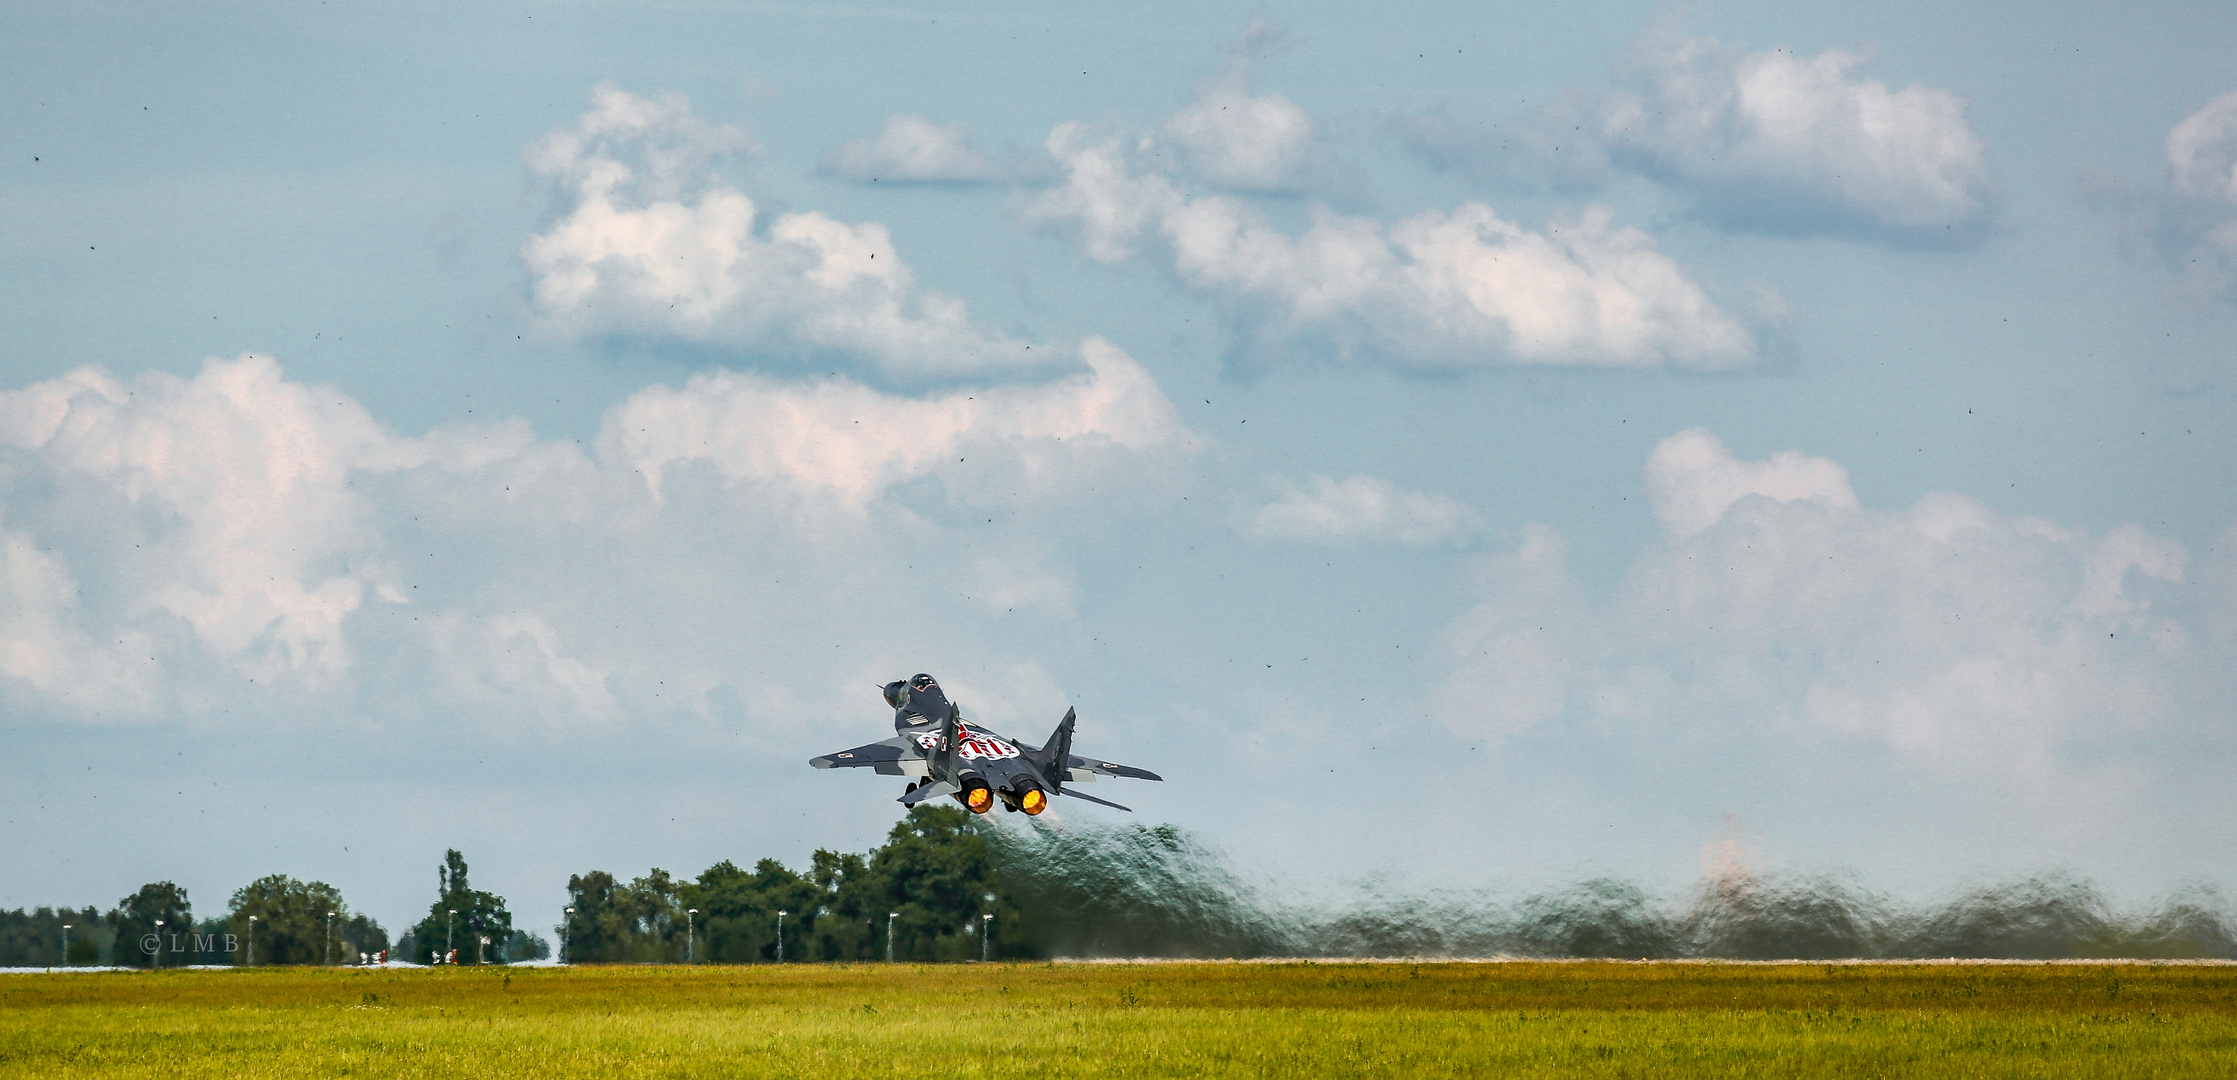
x: 66, y: 943
x: 481, y: 952
x: 781, y: 935
x: 565, y: 925
x: 158, y: 961
x: 252, y: 941
x: 691, y: 936
x: 326, y: 955
x: 986, y: 930
x: 450, y: 937
x: 889, y: 917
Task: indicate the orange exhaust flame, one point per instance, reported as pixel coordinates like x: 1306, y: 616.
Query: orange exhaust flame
x: 1033, y: 802
x: 979, y: 800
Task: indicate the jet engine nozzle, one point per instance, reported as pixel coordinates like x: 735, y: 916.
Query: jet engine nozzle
x: 1033, y: 801
x: 977, y: 797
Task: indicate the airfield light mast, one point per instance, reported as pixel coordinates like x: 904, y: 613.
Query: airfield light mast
x: 691, y: 936
x: 450, y: 937
x: 781, y: 935
x: 327, y: 956
x: 565, y: 925
x: 252, y: 941
x: 986, y: 930
x: 158, y: 961
x: 889, y: 917
x: 66, y: 943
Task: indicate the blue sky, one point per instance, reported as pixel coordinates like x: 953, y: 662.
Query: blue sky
x: 1459, y: 447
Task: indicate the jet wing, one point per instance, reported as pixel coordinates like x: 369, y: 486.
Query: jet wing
x: 1093, y: 799
x: 1079, y: 764
x: 926, y: 791
x: 897, y: 756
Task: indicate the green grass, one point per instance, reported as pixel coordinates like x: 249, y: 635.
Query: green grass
x: 1038, y: 1020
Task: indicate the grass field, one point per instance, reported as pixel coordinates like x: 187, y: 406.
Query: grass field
x: 1106, y: 1020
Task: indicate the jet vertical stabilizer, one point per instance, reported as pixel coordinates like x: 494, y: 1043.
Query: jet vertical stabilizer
x: 1056, y: 756
x: 943, y: 755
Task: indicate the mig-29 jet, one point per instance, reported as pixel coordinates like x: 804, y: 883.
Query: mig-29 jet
x: 949, y: 756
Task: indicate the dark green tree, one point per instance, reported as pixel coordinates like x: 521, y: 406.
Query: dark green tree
x: 146, y: 922
x: 585, y: 937
x: 460, y: 918
x: 738, y: 912
x: 638, y: 922
x: 290, y: 923
x: 850, y: 922
x: 34, y: 938
x: 938, y: 873
x: 524, y: 945
x: 361, y: 935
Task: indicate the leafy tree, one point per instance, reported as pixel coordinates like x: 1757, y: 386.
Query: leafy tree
x: 135, y: 920
x: 934, y: 869
x: 648, y: 916
x: 524, y: 945
x: 738, y: 911
x: 937, y: 873
x: 34, y: 938
x: 850, y: 921
x: 291, y: 924
x: 459, y: 917
x: 587, y: 935
x: 362, y: 935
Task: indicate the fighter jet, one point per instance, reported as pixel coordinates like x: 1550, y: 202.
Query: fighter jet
x: 978, y: 768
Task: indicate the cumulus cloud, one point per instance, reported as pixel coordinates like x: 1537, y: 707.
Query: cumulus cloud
x: 852, y: 442
x: 1436, y: 291
x: 1952, y: 635
x: 650, y: 246
x: 909, y: 149
x: 1771, y: 141
x: 237, y: 542
x: 1693, y: 480
x: 1361, y: 510
x: 230, y: 492
x: 2190, y: 225
x: 1260, y: 143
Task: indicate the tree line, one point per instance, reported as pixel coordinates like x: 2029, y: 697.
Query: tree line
x: 275, y: 919
x: 931, y: 892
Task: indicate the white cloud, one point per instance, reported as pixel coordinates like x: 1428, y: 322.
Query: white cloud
x: 911, y: 149
x: 1362, y: 509
x: 650, y: 247
x: 1435, y: 291
x: 2202, y: 152
x: 1693, y: 480
x: 242, y: 545
x: 1953, y: 636
x: 45, y: 650
x: 232, y: 492
x: 852, y: 442
x: 1247, y: 142
x: 1781, y: 142
x: 2191, y: 225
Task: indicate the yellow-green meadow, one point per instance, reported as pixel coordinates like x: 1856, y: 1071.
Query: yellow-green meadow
x: 1104, y: 1020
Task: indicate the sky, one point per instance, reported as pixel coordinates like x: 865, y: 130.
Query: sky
x: 1461, y: 447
